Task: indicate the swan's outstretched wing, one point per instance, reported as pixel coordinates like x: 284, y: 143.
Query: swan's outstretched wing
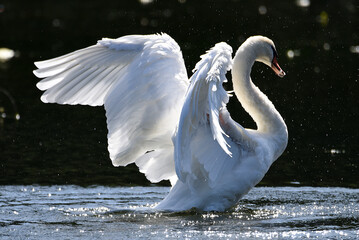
x: 141, y: 80
x: 204, y: 100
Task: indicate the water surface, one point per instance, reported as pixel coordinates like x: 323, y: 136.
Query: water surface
x: 73, y: 212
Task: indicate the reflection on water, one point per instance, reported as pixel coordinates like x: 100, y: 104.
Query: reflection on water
x: 265, y: 213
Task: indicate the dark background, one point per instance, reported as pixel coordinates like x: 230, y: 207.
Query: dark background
x: 53, y: 144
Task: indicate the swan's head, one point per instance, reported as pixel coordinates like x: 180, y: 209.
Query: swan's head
x: 265, y: 52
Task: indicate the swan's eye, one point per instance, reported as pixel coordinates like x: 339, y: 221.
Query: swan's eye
x: 275, y: 55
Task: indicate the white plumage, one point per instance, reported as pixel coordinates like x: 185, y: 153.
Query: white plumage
x: 171, y: 127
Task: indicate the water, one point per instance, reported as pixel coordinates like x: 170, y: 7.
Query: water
x: 73, y: 212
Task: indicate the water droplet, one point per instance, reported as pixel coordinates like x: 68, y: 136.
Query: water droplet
x: 354, y: 49
x: 303, y: 3
x: 145, y: 2
x: 293, y: 53
x: 262, y: 10
x: 167, y: 13
x: 56, y: 22
x: 323, y: 18
x: 144, y: 22
x: 290, y: 54
x: 326, y: 46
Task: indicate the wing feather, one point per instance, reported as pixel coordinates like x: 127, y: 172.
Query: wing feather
x: 141, y: 80
x: 204, y: 99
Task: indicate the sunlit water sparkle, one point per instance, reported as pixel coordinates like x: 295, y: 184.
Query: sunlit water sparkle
x: 64, y: 212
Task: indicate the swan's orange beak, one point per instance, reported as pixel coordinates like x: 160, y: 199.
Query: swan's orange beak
x: 276, y: 68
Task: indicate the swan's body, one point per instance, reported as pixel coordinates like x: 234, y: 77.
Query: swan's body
x: 170, y: 127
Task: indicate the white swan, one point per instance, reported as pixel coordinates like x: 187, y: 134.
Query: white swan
x: 171, y: 127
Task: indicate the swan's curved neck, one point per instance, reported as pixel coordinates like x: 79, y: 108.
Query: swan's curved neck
x: 256, y: 103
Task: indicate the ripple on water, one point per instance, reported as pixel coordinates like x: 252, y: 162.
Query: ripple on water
x: 44, y: 212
